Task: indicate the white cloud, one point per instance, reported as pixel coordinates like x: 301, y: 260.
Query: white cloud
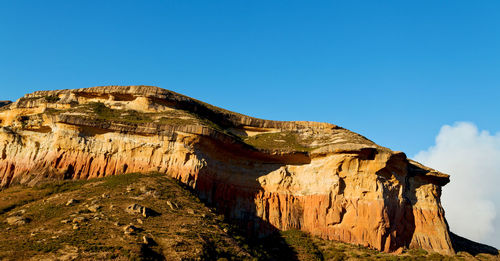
x: 472, y: 199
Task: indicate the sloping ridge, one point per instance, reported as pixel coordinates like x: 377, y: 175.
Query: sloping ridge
x: 221, y: 116
x: 316, y: 177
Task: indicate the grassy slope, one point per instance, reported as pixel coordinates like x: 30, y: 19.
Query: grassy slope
x: 189, y: 231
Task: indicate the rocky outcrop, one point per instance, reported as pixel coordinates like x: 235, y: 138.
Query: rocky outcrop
x: 316, y: 177
x: 3, y: 103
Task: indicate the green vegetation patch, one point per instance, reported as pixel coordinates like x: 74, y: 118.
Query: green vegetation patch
x: 53, y: 111
x: 301, y: 242
x: 175, y: 121
x: 52, y: 98
x: 59, y: 186
x: 105, y: 113
x: 173, y: 117
x: 286, y: 140
x: 117, y: 181
x: 45, y: 211
x: 27, y: 99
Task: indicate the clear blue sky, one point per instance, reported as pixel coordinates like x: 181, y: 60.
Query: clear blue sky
x: 394, y: 71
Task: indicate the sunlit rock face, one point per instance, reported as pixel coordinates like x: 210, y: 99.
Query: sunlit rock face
x: 268, y: 175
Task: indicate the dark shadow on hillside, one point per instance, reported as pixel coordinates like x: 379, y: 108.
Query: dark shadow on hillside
x: 471, y: 247
x: 234, y: 196
x: 270, y: 247
x: 149, y: 254
x: 152, y: 213
x: 264, y: 243
x: 275, y: 247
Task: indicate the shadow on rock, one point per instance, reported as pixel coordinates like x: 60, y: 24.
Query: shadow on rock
x: 471, y: 247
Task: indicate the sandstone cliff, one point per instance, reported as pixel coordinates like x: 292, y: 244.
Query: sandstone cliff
x: 315, y: 177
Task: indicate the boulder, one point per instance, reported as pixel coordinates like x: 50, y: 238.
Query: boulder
x: 17, y: 220
x: 94, y: 208
x: 138, y: 209
x: 71, y: 202
x: 129, y: 229
x: 79, y: 219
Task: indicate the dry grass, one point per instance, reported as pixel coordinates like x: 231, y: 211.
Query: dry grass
x: 191, y: 231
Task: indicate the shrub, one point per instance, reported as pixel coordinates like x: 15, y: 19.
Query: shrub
x: 24, y: 120
x: 52, y: 98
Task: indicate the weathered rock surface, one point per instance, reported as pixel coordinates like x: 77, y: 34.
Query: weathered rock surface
x: 71, y: 202
x: 316, y: 177
x: 94, y: 208
x: 79, y: 220
x: 129, y: 229
x: 138, y: 209
x: 17, y: 220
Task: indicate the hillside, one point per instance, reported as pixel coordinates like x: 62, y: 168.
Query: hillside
x: 265, y: 176
x: 93, y: 220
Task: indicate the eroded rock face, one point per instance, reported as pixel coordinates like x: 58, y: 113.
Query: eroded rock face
x: 316, y: 177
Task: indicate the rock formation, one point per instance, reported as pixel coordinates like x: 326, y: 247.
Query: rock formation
x: 3, y: 103
x: 315, y: 177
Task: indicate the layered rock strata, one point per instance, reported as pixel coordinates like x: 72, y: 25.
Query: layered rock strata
x: 316, y: 177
